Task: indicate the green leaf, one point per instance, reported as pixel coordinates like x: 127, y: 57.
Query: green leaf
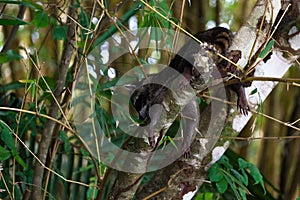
x: 215, y: 174
x: 171, y: 141
x: 225, y: 161
x: 33, y: 90
x: 65, y: 139
x: 50, y: 82
x: 84, y: 22
x: 6, y: 136
x: 4, y: 154
x: 12, y: 22
x: 239, y: 176
x: 11, y: 86
x: 205, y: 196
x: 245, y: 177
x: 29, y: 81
x: 230, y: 180
x: 92, y: 193
x: 257, y: 176
x: 83, y: 18
x: 86, y: 168
x: 40, y: 19
x: 267, y: 49
x: 84, y: 152
x: 20, y: 161
x: 242, y: 163
x: 222, y: 185
x: 242, y: 193
x: 31, y: 86
x: 254, y: 171
x: 254, y: 91
x: 9, y: 56
x: 60, y: 32
x: 25, y: 3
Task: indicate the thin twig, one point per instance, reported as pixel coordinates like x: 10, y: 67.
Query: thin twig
x: 36, y: 65
x: 126, y: 39
x: 42, y: 164
x: 253, y: 111
x: 177, y: 29
x: 250, y: 69
x: 39, y: 115
x: 155, y: 193
x: 5, y: 185
x: 189, y: 34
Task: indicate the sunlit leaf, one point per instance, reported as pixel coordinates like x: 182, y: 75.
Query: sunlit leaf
x: 107, y: 34
x: 29, y: 81
x: 267, y: 49
x: 172, y: 141
x: 33, y: 90
x: 205, y: 196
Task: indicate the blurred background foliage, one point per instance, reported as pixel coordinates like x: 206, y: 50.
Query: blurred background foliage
x: 33, y: 39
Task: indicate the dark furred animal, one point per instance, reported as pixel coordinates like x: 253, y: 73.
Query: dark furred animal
x: 144, y: 97
x: 219, y: 37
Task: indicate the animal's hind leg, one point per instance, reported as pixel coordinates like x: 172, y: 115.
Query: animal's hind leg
x: 155, y: 113
x: 190, y: 119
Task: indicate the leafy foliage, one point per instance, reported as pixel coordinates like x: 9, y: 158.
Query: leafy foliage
x: 234, y: 178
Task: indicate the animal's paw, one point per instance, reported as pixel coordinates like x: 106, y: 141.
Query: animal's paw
x: 242, y: 106
x: 187, y: 153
